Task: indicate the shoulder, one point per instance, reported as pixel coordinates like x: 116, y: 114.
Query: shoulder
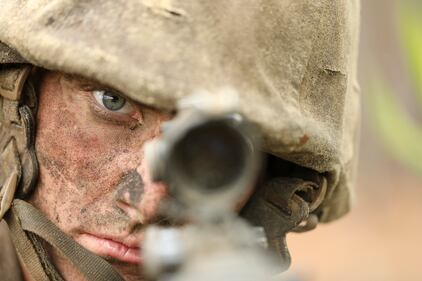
x: 9, y: 265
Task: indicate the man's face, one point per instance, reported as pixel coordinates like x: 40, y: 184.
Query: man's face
x: 93, y: 183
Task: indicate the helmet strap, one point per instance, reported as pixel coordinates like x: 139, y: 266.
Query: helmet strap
x: 26, y: 223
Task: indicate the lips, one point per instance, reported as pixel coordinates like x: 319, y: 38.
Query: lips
x: 112, y: 248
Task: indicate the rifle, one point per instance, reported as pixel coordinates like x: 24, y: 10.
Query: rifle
x: 208, y: 159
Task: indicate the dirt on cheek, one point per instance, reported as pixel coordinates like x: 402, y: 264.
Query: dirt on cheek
x: 68, y: 146
x: 87, y: 163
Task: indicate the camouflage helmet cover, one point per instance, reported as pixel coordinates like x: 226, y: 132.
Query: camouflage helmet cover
x: 293, y: 63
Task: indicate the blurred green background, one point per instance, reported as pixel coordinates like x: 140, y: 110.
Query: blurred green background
x: 381, y: 239
x: 401, y: 135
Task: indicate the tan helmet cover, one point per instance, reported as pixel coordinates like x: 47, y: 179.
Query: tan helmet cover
x: 293, y: 63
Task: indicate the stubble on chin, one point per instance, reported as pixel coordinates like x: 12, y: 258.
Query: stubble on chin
x: 129, y: 272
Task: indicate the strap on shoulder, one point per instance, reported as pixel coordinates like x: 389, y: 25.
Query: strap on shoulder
x: 25, y: 218
x: 9, y: 264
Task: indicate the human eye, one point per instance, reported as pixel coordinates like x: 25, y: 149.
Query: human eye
x: 112, y: 102
x: 113, y: 107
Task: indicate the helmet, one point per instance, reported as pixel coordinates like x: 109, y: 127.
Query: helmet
x: 293, y: 64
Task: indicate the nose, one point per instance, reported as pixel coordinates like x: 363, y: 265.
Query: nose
x: 153, y: 196
x: 139, y: 197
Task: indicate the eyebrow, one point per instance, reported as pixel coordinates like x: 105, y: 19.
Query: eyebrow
x: 95, y: 84
x: 82, y: 80
x: 92, y: 83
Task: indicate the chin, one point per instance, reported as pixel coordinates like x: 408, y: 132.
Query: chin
x: 130, y: 272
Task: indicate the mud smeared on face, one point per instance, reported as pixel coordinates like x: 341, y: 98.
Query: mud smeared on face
x: 130, y: 189
x: 91, y: 160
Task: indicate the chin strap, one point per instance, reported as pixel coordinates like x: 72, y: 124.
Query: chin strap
x: 278, y: 207
x: 26, y: 222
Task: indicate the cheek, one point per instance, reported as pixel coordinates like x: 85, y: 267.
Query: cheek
x: 70, y: 150
x: 82, y: 161
x: 74, y: 147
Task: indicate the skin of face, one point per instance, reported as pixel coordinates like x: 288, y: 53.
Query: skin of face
x: 93, y: 182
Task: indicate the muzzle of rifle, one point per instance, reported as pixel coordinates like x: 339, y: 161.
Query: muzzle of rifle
x: 208, y: 161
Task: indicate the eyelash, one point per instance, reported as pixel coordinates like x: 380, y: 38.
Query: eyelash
x: 126, y: 106
x: 117, y: 118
